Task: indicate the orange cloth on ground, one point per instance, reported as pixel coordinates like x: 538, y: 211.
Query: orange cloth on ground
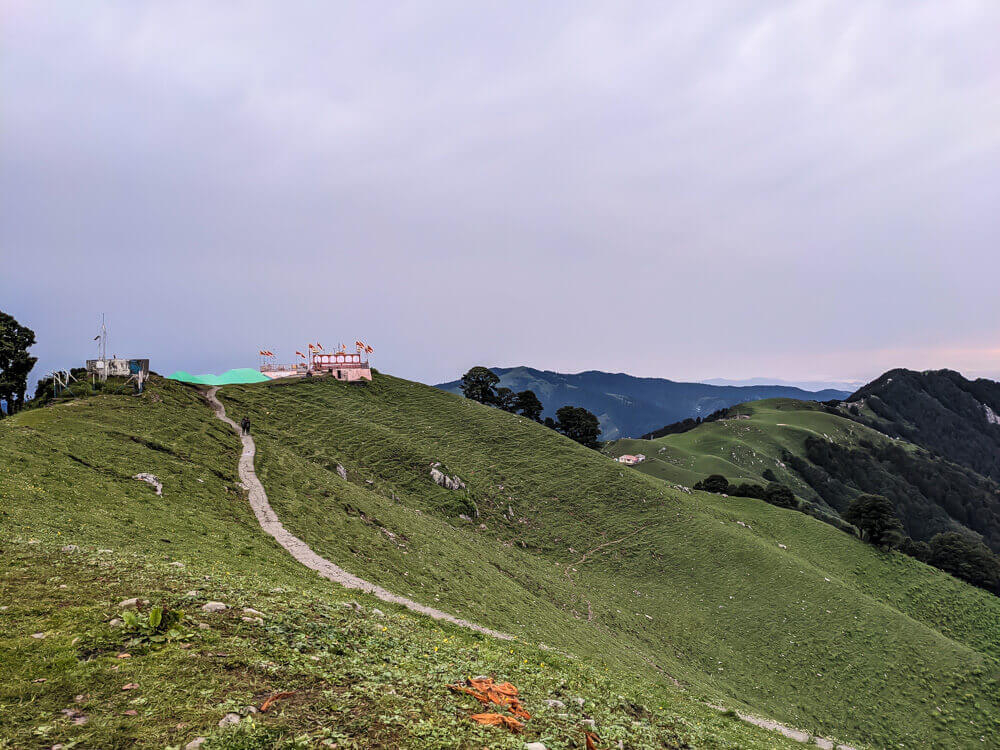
x: 498, y: 720
x: 501, y: 694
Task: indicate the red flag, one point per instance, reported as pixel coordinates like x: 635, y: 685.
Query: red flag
x: 369, y: 350
x: 319, y: 346
x: 260, y: 352
x: 300, y: 354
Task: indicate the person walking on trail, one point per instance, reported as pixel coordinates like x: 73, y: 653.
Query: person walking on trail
x: 245, y: 424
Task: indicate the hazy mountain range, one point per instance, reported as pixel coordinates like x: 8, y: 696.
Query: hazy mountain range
x: 807, y: 385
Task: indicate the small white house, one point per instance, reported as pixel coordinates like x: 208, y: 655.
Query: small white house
x: 630, y: 460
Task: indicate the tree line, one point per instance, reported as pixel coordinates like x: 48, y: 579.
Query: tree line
x: 928, y: 492
x: 686, y: 425
x: 575, y: 422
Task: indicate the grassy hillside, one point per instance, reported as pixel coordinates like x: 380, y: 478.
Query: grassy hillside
x: 743, y: 448
x: 575, y: 551
x: 629, y: 406
x: 79, y: 536
x: 648, y: 600
x: 828, y: 459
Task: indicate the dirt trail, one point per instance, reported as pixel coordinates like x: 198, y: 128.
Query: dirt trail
x: 302, y: 552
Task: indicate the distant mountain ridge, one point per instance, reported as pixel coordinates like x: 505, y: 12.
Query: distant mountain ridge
x: 938, y: 410
x: 631, y: 406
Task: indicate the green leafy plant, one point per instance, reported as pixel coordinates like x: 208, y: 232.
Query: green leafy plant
x: 157, y: 626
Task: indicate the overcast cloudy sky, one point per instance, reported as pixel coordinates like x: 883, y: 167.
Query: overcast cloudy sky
x: 804, y: 190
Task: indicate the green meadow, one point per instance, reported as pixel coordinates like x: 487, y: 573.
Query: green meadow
x: 644, y: 600
x: 743, y: 447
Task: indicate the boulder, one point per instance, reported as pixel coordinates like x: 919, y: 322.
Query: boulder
x: 534, y: 746
x: 196, y: 743
x: 341, y: 471
x: 151, y: 479
x: 230, y: 718
x: 214, y: 607
x: 70, y: 548
x: 555, y: 704
x: 132, y: 603
x: 443, y: 480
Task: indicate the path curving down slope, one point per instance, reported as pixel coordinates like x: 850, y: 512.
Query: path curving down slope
x: 302, y: 552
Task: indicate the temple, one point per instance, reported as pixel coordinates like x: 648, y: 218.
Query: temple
x: 341, y: 365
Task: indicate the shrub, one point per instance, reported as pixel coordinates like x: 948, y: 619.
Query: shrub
x: 876, y: 517
x: 966, y: 558
x: 747, y: 489
x: 715, y: 483
x: 780, y: 495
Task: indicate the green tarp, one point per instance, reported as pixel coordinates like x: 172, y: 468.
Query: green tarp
x: 241, y: 375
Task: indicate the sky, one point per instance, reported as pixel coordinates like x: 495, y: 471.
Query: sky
x: 799, y: 190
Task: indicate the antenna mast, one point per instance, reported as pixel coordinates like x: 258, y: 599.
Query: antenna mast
x: 104, y: 349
